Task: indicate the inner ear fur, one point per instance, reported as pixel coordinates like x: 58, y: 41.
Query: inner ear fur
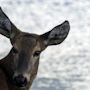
x: 7, y: 28
x: 57, y: 35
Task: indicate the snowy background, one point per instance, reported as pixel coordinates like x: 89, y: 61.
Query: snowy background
x: 62, y: 67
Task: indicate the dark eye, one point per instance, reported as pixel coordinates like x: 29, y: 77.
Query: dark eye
x: 14, y: 50
x: 36, y: 53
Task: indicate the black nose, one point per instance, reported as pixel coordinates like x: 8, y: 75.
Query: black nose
x: 20, y: 81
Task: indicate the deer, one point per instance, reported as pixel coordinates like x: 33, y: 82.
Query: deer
x: 19, y: 68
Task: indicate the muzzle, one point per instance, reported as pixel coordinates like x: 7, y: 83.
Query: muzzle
x: 20, y: 81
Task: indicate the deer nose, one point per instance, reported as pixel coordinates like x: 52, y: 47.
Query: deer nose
x: 20, y: 81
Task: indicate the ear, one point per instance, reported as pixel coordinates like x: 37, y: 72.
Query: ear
x: 57, y: 35
x: 7, y: 28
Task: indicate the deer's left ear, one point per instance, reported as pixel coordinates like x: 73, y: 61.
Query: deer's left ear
x: 57, y: 34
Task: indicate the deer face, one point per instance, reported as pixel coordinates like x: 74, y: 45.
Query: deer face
x: 26, y: 50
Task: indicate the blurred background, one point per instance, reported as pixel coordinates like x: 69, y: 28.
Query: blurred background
x: 65, y: 66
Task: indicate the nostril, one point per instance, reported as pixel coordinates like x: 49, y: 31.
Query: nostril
x: 20, y: 81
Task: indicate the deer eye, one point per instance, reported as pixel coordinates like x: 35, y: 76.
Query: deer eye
x: 36, y: 53
x: 14, y: 50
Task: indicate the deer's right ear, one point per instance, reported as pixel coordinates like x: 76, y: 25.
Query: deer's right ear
x: 6, y: 27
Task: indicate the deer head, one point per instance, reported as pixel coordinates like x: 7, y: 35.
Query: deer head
x: 21, y: 64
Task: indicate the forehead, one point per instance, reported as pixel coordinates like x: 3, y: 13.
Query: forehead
x: 27, y: 40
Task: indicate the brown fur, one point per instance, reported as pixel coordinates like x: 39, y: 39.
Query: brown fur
x: 6, y: 62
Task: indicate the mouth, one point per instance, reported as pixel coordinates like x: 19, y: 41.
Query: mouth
x: 20, y: 85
